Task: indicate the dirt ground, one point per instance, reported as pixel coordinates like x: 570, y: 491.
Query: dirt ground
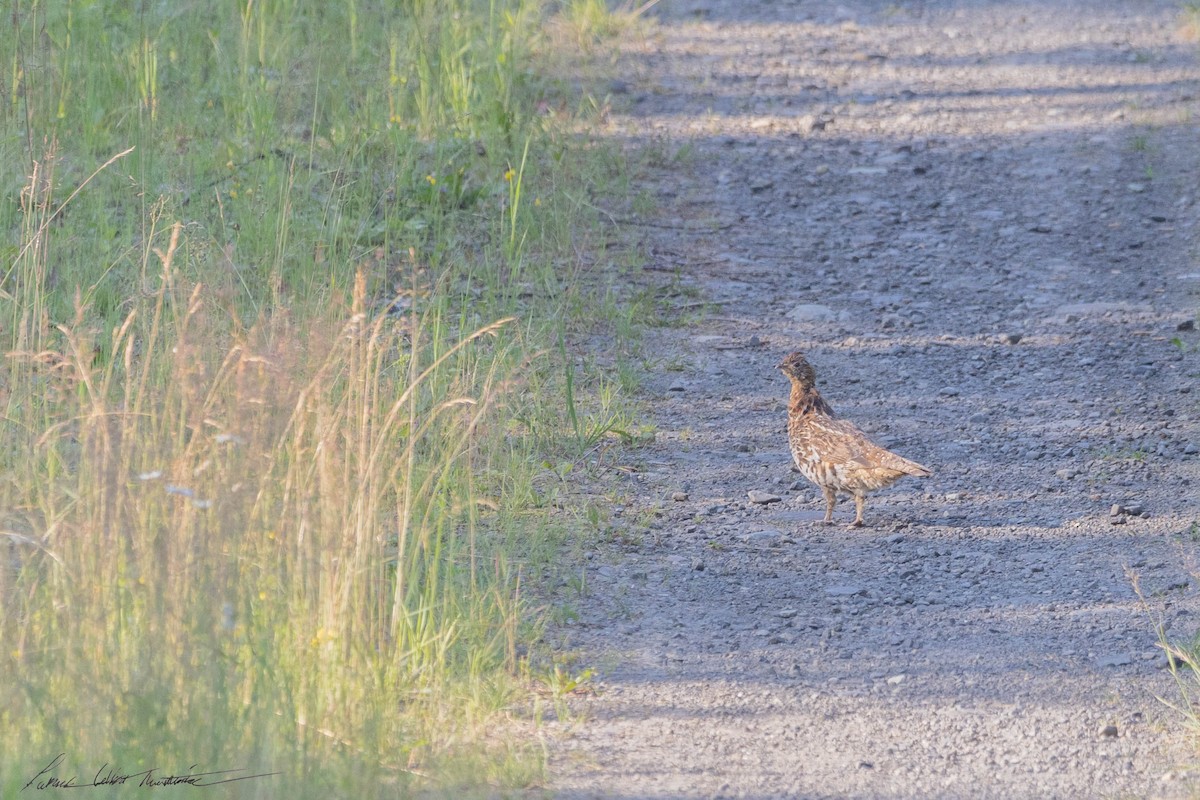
x: 979, y: 221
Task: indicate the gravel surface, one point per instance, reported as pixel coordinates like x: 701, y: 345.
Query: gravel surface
x: 979, y: 221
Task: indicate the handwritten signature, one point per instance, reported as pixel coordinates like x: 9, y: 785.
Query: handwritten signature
x: 48, y: 777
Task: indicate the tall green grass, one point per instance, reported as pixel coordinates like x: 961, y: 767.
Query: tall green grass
x: 284, y: 311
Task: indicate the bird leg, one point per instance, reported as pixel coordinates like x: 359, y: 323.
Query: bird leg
x: 830, y: 502
x: 860, y: 500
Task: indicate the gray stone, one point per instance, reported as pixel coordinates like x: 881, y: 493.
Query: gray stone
x: 762, y: 498
x: 843, y: 591
x: 679, y: 497
x: 1114, y: 660
x: 1108, y: 732
x: 811, y: 312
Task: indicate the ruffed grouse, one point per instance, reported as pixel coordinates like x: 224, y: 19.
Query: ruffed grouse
x: 831, y: 452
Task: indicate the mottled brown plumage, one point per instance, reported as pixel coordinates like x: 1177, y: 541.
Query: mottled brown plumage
x: 833, y: 453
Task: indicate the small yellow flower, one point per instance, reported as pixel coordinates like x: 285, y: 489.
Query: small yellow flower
x: 432, y: 180
x: 262, y: 595
x: 509, y: 174
x: 537, y: 201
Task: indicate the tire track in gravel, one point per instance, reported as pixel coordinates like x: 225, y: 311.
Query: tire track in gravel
x: 979, y: 221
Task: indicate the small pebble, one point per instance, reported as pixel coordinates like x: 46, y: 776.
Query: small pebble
x: 1186, y: 325
x: 1108, y: 732
x: 1116, y: 510
x: 977, y: 418
x: 698, y: 565
x: 1011, y: 338
x: 762, y: 498
x: 679, y: 497
x: 1191, y: 449
x: 949, y: 391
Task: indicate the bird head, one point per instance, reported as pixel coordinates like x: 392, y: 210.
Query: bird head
x: 796, y: 367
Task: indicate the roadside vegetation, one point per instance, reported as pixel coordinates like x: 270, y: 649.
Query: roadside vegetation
x: 291, y: 306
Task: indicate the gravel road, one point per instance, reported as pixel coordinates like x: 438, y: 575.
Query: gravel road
x: 979, y: 221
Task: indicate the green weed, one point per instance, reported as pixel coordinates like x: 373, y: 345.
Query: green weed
x: 280, y: 374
